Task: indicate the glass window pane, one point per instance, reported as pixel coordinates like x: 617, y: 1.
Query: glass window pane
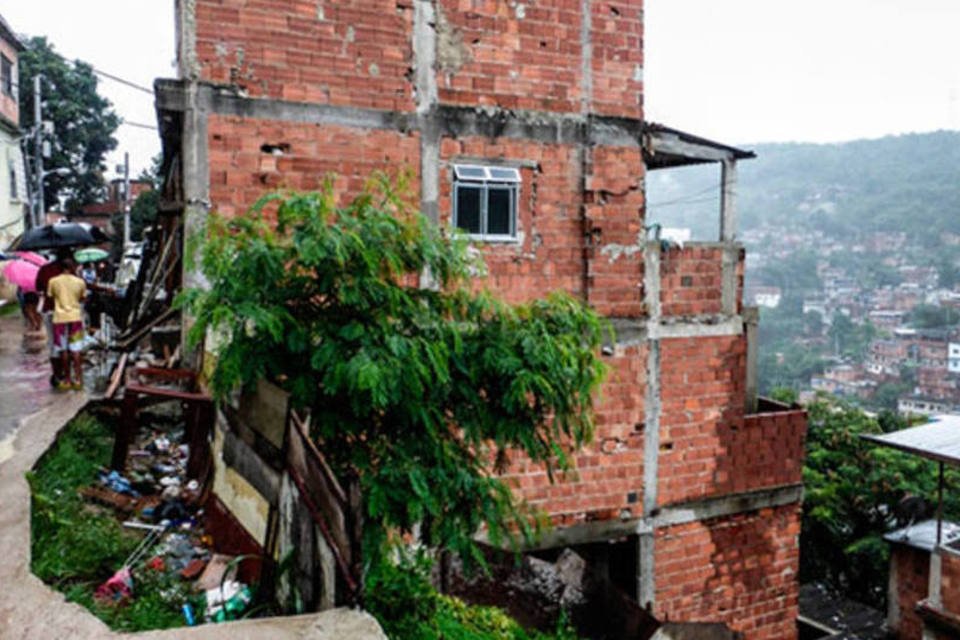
x: 499, y: 212
x: 504, y: 174
x: 468, y: 208
x: 470, y: 172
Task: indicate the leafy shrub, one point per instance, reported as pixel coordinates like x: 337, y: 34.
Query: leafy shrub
x: 402, y: 598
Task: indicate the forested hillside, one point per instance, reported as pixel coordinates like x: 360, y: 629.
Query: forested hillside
x: 898, y: 183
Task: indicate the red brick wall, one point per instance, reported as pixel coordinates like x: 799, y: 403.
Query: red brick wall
x: 767, y: 451
x: 690, y: 280
x: 950, y: 583
x: 491, y: 55
x: 240, y: 172
x: 740, y: 570
x: 549, y: 253
x: 610, y: 469
x: 343, y: 52
x: 912, y: 567
x: 617, y: 41
x: 614, y: 209
x: 701, y: 389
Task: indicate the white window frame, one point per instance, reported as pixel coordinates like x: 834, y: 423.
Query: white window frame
x: 485, y: 177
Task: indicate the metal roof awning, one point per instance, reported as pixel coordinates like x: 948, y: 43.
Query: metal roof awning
x: 664, y: 148
x: 938, y: 440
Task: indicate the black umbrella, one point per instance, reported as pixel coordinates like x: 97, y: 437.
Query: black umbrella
x: 61, y: 234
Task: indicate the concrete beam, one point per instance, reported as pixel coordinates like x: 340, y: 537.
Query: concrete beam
x: 728, y: 505
x: 706, y: 326
x: 670, y: 516
x: 672, y: 145
x: 451, y: 120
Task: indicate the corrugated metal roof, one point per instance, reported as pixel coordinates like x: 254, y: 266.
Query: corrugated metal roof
x: 923, y: 535
x: 938, y: 440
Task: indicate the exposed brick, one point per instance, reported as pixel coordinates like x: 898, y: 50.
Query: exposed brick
x: 740, y: 570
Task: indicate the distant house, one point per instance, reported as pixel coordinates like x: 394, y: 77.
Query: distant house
x: 887, y: 319
x: 921, y: 406
x: 13, y: 182
x: 763, y: 296
x: 101, y: 214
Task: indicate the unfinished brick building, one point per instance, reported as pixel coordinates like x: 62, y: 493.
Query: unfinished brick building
x: 522, y: 122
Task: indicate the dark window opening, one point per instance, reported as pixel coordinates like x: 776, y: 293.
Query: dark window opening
x: 6, y: 75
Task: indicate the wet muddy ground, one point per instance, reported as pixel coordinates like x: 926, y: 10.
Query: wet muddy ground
x: 24, y: 375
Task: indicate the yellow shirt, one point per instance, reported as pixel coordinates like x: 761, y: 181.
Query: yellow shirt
x: 67, y: 291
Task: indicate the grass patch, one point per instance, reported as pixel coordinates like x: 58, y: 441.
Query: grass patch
x: 75, y: 546
x: 9, y: 309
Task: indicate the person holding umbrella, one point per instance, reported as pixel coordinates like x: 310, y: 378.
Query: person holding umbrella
x: 46, y: 273
x: 67, y: 292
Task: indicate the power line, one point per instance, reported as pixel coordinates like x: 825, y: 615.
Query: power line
x: 670, y: 203
x: 687, y: 198
x: 139, y: 125
x: 109, y: 76
x: 128, y: 83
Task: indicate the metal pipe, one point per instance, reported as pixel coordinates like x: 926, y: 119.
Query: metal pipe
x: 940, y: 505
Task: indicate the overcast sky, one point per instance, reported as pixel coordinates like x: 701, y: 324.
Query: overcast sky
x: 815, y: 71
x: 739, y: 71
x: 132, y: 39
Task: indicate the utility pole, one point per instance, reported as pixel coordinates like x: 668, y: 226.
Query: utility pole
x: 38, y: 152
x: 126, y: 200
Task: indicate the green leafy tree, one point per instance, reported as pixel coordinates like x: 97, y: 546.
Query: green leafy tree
x: 929, y: 316
x: 84, y: 122
x: 419, y: 391
x: 851, y: 491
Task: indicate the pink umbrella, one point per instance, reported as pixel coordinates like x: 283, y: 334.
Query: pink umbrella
x: 31, y: 257
x: 21, y: 273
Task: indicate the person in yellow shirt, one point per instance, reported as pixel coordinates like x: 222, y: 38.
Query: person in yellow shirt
x: 67, y: 292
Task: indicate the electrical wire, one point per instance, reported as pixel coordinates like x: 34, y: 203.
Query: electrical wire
x: 138, y: 125
x: 671, y: 203
x: 685, y: 199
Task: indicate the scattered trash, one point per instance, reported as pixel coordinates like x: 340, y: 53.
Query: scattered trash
x: 227, y: 601
x: 188, y: 615
x: 217, y: 571
x: 118, y: 589
x: 116, y: 482
x: 155, y: 497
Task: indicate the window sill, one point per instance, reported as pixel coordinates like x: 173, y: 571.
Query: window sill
x: 494, y: 239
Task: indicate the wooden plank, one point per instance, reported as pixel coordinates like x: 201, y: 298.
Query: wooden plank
x: 117, y: 376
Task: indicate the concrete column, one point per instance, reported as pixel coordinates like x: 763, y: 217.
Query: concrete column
x: 188, y: 67
x: 646, y: 564
x: 196, y: 195
x: 728, y: 210
x: 425, y: 96
x: 751, y: 321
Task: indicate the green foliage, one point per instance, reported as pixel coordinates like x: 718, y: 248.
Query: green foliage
x: 70, y: 541
x: 156, y: 604
x: 851, y: 489
x: 418, y: 390
x: 401, y: 597
x: 850, y: 340
x: 84, y: 122
x: 928, y: 316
